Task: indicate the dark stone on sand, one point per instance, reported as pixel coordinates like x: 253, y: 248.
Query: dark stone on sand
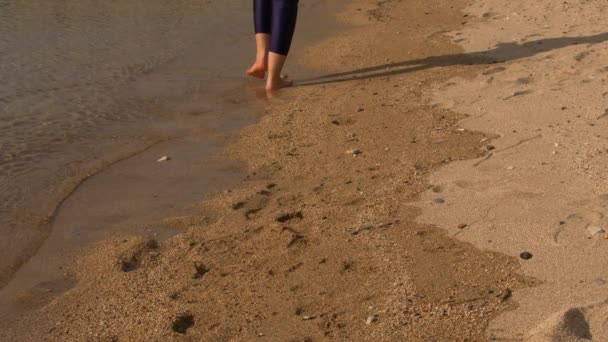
x: 462, y: 226
x: 490, y: 147
x: 437, y: 188
x: 336, y: 122
x: 526, y: 255
x: 360, y: 110
x: 439, y: 200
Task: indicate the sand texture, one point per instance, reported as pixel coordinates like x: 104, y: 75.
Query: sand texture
x: 388, y: 200
x: 542, y: 188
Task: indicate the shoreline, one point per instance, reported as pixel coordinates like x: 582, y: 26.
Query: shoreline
x: 69, y: 186
x: 316, y: 242
x: 79, y: 226
x: 93, y: 212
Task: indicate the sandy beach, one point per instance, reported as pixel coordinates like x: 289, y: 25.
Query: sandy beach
x: 543, y: 188
x: 439, y: 177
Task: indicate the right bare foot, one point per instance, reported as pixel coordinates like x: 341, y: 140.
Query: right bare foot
x: 278, y: 84
x: 257, y: 70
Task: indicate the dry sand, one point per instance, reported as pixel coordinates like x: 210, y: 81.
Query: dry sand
x: 543, y: 189
x: 322, y: 240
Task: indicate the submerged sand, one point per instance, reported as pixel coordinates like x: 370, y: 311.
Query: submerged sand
x: 324, y: 238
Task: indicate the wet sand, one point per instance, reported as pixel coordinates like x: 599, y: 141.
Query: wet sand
x: 320, y: 240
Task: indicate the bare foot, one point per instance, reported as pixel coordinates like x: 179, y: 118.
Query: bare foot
x: 278, y: 84
x: 257, y: 70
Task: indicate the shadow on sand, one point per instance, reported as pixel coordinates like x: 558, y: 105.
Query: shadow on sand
x: 503, y: 52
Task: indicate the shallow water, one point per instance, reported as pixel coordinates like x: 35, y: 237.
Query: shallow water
x: 93, y: 93
x: 86, y: 82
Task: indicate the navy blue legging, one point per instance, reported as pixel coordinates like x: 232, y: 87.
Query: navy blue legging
x: 278, y: 19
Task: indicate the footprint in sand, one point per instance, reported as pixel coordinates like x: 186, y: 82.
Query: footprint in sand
x: 255, y: 203
x: 344, y: 122
x: 518, y: 93
x: 290, y: 216
x: 579, y: 225
x: 579, y: 57
x: 296, y: 240
x: 494, y: 70
x: 137, y: 255
x: 200, y: 270
x: 182, y: 323
x: 524, y: 80
x: 569, y: 325
x: 480, y: 186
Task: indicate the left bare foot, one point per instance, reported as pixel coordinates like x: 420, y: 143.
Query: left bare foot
x: 257, y: 70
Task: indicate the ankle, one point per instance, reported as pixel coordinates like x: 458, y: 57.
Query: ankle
x: 261, y: 62
x: 273, y: 76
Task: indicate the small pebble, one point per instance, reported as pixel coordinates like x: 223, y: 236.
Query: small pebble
x: 526, y: 255
x: 439, y: 200
x: 360, y: 110
x: 163, y: 159
x: 490, y: 147
x: 599, y: 281
x: 354, y: 151
x: 462, y: 226
x: 308, y: 318
x: 371, y: 319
